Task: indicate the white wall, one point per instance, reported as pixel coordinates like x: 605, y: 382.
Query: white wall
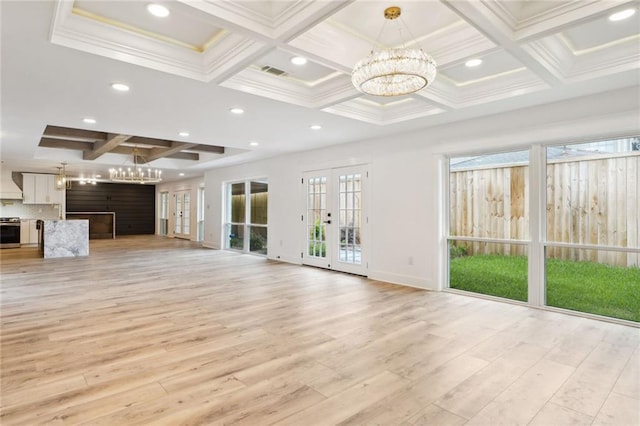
x: 190, y: 185
x: 406, y: 237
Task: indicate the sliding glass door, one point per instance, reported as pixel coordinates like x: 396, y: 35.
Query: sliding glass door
x: 163, y: 216
x: 246, y: 212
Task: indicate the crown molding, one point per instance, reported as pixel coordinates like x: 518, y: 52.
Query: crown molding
x: 559, y: 59
x: 549, y: 21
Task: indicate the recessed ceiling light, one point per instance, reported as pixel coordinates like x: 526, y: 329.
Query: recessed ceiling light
x: 158, y: 10
x: 298, y: 60
x: 120, y: 87
x: 315, y: 127
x: 254, y: 143
x: 98, y: 176
x: 89, y: 120
x: 180, y: 174
x: 623, y: 14
x: 184, y: 134
x: 473, y: 63
x: 236, y: 111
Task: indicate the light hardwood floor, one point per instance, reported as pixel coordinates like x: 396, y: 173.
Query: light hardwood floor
x: 150, y: 330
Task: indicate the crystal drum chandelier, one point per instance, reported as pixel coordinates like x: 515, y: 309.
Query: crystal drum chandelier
x: 135, y: 174
x: 396, y: 71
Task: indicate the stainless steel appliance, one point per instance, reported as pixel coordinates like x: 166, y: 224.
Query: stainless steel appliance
x: 9, y: 232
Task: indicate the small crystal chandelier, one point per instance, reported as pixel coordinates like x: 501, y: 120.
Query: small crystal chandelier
x: 396, y: 71
x: 135, y: 174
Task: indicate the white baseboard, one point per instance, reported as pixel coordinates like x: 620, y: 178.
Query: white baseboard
x: 406, y: 280
x: 286, y: 259
x: 209, y: 244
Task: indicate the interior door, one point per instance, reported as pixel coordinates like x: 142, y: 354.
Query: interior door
x: 182, y: 214
x: 335, y: 219
x: 164, y: 214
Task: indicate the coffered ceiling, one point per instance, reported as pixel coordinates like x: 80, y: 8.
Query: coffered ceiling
x: 239, y: 53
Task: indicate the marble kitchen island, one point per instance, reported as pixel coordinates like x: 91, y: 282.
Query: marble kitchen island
x: 65, y: 238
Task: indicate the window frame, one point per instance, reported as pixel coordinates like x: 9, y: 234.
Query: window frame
x: 537, y: 243
x: 247, y: 224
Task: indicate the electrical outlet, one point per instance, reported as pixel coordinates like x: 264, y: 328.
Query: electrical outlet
x: 410, y: 260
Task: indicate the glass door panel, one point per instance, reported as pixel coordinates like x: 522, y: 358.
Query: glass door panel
x: 350, y: 218
x: 164, y: 213
x: 237, y: 215
x: 317, y: 220
x: 178, y: 214
x: 186, y: 217
x: 258, y: 209
x: 200, y: 215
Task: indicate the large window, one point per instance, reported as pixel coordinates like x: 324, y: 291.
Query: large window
x: 561, y: 230
x: 246, y: 224
x: 593, y: 225
x: 489, y: 224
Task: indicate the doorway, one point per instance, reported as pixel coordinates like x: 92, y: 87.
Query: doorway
x: 335, y: 218
x: 164, y: 214
x: 200, y: 215
x: 182, y: 214
x: 246, y: 222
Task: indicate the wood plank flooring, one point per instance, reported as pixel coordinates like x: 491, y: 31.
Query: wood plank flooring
x: 151, y: 330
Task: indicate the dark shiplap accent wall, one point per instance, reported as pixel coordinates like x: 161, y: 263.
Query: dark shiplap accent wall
x: 134, y: 204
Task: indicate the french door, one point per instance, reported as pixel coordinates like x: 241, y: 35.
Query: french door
x: 181, y: 214
x: 335, y: 219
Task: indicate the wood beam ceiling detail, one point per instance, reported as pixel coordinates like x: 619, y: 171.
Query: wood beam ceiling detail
x: 102, y: 147
x: 175, y: 148
x: 94, y: 144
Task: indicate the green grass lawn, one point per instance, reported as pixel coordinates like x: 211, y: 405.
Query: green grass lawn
x: 611, y: 291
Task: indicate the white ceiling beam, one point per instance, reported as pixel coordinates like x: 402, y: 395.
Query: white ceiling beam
x: 482, y: 18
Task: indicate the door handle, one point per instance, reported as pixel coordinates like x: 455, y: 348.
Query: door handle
x: 328, y: 222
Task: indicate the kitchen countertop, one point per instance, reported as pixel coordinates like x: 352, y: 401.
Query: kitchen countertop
x: 66, y: 238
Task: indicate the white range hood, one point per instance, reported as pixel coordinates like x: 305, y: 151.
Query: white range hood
x: 8, y: 188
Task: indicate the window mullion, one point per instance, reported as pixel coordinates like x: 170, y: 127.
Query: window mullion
x: 537, y: 222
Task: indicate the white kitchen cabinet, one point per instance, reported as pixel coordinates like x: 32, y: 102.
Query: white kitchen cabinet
x: 28, y: 231
x: 28, y: 188
x: 39, y: 189
x: 33, y: 231
x: 25, y: 231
